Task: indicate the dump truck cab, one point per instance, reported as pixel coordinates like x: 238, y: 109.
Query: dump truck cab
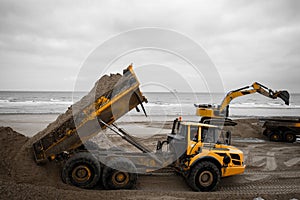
x: 204, y: 154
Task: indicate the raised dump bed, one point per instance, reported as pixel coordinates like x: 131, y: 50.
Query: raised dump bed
x: 111, y: 98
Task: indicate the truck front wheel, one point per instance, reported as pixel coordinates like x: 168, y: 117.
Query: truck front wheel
x: 82, y: 170
x: 204, y: 176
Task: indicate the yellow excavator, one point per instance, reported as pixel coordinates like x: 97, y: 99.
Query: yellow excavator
x: 216, y: 113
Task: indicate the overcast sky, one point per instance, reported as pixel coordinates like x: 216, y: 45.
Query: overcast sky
x: 44, y: 43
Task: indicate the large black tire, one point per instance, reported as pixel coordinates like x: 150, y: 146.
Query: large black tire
x: 120, y: 173
x: 82, y: 170
x: 275, y: 136
x: 289, y: 136
x: 204, y: 176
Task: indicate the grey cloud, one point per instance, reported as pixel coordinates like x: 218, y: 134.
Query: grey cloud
x: 253, y: 39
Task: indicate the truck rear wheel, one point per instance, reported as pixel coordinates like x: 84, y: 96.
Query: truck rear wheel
x: 120, y: 173
x: 204, y: 176
x: 275, y: 136
x: 289, y: 136
x: 82, y: 170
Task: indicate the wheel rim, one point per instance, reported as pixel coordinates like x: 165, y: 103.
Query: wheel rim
x: 206, y: 178
x: 275, y: 137
x: 81, y: 174
x: 289, y: 137
x: 120, y: 178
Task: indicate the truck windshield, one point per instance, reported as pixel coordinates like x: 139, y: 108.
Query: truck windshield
x: 194, y: 133
x: 211, y: 135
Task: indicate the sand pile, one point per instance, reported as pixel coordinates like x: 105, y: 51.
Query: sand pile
x: 10, y: 143
x: 246, y: 128
x: 17, y: 163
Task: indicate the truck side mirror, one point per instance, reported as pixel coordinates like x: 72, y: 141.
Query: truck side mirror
x: 228, y: 138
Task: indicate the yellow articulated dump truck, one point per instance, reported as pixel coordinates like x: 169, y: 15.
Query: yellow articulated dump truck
x: 200, y: 152
x: 203, y: 154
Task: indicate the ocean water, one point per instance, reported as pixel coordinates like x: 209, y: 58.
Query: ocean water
x: 166, y: 104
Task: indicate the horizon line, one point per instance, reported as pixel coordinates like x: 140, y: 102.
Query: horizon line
x: 142, y: 91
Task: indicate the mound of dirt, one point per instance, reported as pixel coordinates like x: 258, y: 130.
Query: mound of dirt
x: 10, y: 143
x: 246, y: 128
x: 17, y: 163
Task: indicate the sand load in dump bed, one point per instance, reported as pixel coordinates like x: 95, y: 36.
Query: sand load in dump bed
x: 111, y: 98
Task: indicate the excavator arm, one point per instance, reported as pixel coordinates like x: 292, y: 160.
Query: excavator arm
x: 255, y: 87
x: 221, y: 111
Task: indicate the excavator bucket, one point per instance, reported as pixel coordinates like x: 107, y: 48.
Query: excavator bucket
x: 285, y: 96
